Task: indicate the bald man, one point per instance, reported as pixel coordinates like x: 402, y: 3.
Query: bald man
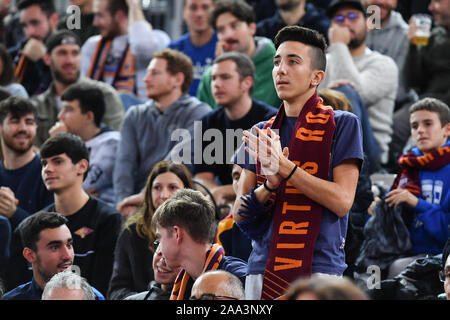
x: 217, y: 285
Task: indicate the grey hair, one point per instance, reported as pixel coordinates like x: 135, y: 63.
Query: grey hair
x: 69, y: 280
x: 232, y: 287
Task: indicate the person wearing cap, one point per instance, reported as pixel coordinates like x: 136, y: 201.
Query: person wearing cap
x: 373, y: 75
x: 63, y: 56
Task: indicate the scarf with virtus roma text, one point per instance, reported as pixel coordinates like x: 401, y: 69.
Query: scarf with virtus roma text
x: 183, y: 280
x: 296, y: 218
x: 124, y: 77
x: 408, y: 177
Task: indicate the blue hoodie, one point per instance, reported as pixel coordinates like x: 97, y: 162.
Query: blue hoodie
x: 429, y: 230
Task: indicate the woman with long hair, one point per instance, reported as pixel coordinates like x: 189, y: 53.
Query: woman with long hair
x: 133, y: 271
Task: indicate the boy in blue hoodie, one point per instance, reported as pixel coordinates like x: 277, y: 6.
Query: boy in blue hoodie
x: 424, y: 182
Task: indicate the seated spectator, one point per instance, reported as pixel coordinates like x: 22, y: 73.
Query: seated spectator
x: 422, y: 183
x: 234, y: 22
x: 132, y: 271
x: 426, y: 70
x: 390, y: 38
x: 83, y: 107
x: 217, y: 285
x: 48, y: 246
x: 22, y: 190
x: 121, y: 53
x: 68, y: 285
x: 86, y: 19
x: 29, y: 67
x: 199, y: 43
x: 147, y: 128
x: 161, y: 287
x: 185, y: 227
x: 325, y: 288
x: 94, y: 224
x: 232, y: 83
x: 294, y: 12
x: 7, y: 80
x: 63, y: 57
x: 373, y: 75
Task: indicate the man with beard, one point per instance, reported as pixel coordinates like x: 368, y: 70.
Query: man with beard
x: 93, y: 223
x: 22, y: 190
x: 373, y: 75
x: 39, y: 19
x: 294, y: 12
x: 63, y: 57
x: 234, y: 22
x: 48, y: 246
x: 120, y: 55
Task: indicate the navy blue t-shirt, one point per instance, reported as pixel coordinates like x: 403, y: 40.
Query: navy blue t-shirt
x: 329, y: 255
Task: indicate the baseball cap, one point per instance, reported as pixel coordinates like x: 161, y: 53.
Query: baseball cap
x: 61, y: 37
x: 336, y: 4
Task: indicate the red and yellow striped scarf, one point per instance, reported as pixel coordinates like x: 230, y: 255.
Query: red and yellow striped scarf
x: 183, y: 280
x: 124, y: 77
x: 296, y: 218
x: 408, y: 177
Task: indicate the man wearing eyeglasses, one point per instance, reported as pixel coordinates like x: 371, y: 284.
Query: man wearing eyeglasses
x: 373, y: 75
x: 217, y: 285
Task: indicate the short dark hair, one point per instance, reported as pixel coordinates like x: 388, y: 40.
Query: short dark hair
x: 7, y: 75
x: 445, y: 252
x: 238, y: 8
x: 244, y: 65
x: 89, y: 96
x: 433, y: 105
x: 32, y: 226
x: 178, y: 62
x: 309, y: 37
x: 117, y: 5
x: 190, y: 210
x: 17, y: 106
x: 47, y: 6
x: 67, y: 143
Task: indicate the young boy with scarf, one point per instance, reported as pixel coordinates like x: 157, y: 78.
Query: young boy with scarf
x: 423, y: 182
x: 296, y: 198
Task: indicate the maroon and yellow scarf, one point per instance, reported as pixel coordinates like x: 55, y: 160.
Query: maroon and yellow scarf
x: 296, y: 218
x: 408, y: 177
x: 213, y: 258
x: 124, y: 77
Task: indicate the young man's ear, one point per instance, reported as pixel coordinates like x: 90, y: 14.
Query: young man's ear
x: 247, y: 82
x: 318, y: 76
x: 29, y: 255
x: 178, y: 233
x: 82, y: 166
x: 179, y: 79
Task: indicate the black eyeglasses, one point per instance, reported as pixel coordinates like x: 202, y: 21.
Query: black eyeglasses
x: 155, y: 244
x: 212, y: 296
x: 444, y: 275
x: 352, y: 16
